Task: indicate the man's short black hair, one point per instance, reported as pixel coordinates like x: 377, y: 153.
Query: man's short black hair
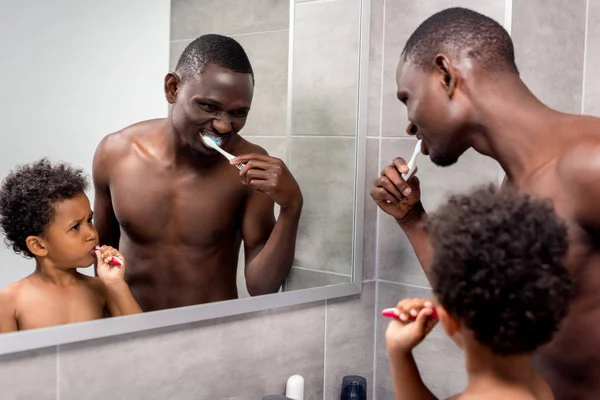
x: 498, y: 267
x: 461, y: 31
x: 214, y: 49
x: 28, y: 195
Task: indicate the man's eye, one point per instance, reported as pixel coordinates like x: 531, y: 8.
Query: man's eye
x: 208, y: 107
x: 239, y: 114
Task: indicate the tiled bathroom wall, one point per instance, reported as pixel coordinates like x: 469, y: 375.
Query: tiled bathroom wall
x: 245, y: 357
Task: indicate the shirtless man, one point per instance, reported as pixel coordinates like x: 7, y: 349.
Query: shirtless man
x: 177, y: 209
x: 459, y: 82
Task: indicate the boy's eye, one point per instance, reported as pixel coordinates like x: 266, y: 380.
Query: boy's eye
x: 90, y: 219
x: 75, y: 227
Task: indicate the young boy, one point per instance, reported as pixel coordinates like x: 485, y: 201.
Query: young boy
x: 501, y: 291
x: 45, y: 215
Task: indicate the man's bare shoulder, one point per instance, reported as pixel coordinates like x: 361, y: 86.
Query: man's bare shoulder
x: 580, y: 164
x: 244, y: 146
x: 121, y: 143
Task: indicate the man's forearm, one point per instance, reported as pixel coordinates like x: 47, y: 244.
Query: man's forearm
x: 415, y: 229
x: 408, y: 384
x: 270, y: 267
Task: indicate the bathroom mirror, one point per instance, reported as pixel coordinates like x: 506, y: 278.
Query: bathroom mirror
x: 74, y: 71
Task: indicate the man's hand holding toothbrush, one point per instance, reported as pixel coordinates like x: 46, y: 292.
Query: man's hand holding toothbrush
x: 398, y: 193
x: 271, y: 176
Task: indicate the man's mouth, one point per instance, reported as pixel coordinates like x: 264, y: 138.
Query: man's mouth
x: 218, y: 139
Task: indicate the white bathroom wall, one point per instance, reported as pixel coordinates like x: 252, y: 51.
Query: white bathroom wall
x: 73, y: 71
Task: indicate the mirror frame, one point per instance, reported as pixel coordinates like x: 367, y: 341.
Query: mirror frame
x: 63, y: 334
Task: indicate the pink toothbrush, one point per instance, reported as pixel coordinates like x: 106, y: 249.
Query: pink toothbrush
x: 392, y: 313
x: 113, y: 261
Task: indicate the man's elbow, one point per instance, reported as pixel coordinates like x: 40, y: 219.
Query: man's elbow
x: 260, y: 289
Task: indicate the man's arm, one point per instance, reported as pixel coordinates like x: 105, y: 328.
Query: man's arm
x: 8, y: 318
x: 402, y: 200
x: 269, y: 246
x: 105, y: 221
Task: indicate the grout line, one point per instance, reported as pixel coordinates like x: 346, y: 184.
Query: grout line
x: 378, y: 215
x: 288, y: 119
x: 325, y: 353
x: 322, y: 271
x: 323, y: 136
x: 405, y: 284
x: 585, y: 40
x: 375, y: 331
x: 57, y: 373
x: 233, y: 35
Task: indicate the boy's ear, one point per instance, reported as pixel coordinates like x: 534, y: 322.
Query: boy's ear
x: 450, y: 324
x: 37, y: 246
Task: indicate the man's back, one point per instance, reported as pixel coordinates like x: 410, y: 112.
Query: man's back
x: 180, y: 225
x: 571, y: 362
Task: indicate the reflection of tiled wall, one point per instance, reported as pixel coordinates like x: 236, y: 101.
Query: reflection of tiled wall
x: 323, y: 137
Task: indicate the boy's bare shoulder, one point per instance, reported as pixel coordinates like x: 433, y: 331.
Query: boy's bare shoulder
x: 11, y: 292
x: 95, y: 284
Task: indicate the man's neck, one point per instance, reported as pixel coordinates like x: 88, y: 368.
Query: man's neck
x: 515, y: 128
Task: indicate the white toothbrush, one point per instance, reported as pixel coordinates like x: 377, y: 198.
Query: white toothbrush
x: 412, y: 166
x: 211, y: 143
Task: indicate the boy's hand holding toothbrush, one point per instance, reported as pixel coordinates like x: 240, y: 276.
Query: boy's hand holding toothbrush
x: 271, y: 176
x: 414, y: 319
x: 108, y: 269
x: 397, y: 191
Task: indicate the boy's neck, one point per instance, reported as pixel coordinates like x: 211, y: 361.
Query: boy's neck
x: 60, y: 277
x: 483, y: 366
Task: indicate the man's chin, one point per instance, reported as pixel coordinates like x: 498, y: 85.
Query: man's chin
x: 443, y: 161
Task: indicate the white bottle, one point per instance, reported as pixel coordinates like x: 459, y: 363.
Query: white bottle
x: 295, y: 387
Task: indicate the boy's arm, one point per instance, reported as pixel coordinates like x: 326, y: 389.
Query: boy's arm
x: 414, y: 321
x: 407, y: 380
x: 119, y: 300
x: 8, y: 317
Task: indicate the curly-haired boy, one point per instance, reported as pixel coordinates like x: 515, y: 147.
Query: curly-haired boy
x: 501, y: 292
x: 46, y: 215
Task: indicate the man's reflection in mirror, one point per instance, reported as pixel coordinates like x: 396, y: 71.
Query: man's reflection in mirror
x: 179, y: 210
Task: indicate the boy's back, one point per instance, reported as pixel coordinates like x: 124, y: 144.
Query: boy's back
x: 501, y: 291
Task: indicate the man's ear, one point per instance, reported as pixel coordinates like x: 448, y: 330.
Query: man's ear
x: 172, y: 86
x: 449, y: 75
x: 37, y: 246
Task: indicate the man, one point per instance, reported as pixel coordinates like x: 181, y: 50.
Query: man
x: 459, y: 82
x: 177, y: 209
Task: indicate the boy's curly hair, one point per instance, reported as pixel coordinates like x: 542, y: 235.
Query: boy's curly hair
x: 28, y: 195
x: 498, y: 267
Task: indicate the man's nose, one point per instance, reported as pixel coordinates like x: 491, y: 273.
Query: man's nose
x: 222, y: 124
x: 411, y: 129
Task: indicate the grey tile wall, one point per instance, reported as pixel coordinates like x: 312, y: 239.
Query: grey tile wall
x: 549, y: 47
